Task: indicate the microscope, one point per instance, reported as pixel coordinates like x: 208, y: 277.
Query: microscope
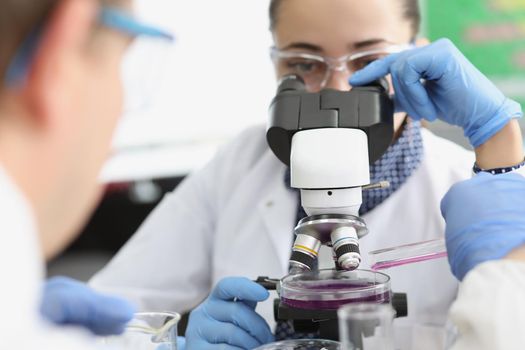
x: 329, y: 139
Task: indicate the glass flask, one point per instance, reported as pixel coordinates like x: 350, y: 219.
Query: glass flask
x: 302, y: 344
x: 148, y: 331
x: 366, y: 326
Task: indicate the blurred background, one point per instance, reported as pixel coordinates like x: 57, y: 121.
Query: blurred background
x: 221, y: 57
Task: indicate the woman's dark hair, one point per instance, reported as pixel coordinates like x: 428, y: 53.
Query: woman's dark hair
x: 411, y: 12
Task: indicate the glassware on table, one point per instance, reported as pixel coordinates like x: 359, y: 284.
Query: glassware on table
x: 302, y: 344
x: 148, y: 331
x: 366, y: 326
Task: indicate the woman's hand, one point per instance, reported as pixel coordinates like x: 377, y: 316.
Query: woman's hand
x: 227, y: 319
x: 438, y: 82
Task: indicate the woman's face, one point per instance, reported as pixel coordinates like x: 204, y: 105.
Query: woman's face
x: 335, y: 28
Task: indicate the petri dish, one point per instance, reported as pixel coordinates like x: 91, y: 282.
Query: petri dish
x: 329, y: 289
x: 302, y: 344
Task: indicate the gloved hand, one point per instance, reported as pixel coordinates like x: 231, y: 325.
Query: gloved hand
x: 485, y: 219
x: 227, y: 319
x: 69, y: 302
x: 181, y: 345
x: 454, y: 90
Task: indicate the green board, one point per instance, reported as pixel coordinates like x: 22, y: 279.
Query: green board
x: 491, y: 33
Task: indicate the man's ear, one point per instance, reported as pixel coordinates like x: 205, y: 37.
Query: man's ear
x: 422, y: 42
x: 57, y: 62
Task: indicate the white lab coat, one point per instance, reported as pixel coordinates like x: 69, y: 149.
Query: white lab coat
x: 235, y: 217
x: 490, y: 310
x: 22, y: 272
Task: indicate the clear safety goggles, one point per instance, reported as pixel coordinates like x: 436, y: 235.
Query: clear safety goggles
x: 116, y: 19
x: 316, y: 69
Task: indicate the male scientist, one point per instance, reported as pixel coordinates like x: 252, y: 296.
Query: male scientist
x: 60, y: 99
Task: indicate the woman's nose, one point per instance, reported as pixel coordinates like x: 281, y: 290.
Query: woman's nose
x: 338, y: 80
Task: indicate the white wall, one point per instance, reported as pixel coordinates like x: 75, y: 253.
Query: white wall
x: 217, y: 80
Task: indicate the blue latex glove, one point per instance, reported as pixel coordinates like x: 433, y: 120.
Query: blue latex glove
x: 69, y: 302
x: 485, y: 219
x: 181, y: 345
x: 454, y: 90
x: 227, y: 319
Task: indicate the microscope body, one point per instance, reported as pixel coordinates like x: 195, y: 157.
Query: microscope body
x: 329, y: 139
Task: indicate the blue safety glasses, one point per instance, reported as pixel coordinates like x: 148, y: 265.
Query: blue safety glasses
x: 124, y: 22
x: 109, y: 16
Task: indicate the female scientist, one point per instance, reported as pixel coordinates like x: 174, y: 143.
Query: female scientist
x: 485, y: 222
x: 235, y: 217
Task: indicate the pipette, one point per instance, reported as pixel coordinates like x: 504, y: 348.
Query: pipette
x: 408, y: 254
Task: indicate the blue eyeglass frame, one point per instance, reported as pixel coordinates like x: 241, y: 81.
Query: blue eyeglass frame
x: 110, y: 17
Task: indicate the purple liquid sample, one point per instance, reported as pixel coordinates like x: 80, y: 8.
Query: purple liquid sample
x: 381, y: 297
x: 400, y: 262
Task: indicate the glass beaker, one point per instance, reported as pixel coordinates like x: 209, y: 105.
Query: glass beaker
x: 148, y: 331
x: 366, y: 326
x: 302, y: 344
x: 329, y: 289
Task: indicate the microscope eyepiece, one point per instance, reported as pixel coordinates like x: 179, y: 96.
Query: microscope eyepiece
x: 382, y: 83
x: 291, y: 82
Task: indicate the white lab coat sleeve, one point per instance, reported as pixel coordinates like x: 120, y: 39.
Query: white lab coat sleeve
x: 22, y: 271
x: 167, y: 264
x: 43, y: 336
x: 489, y: 312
